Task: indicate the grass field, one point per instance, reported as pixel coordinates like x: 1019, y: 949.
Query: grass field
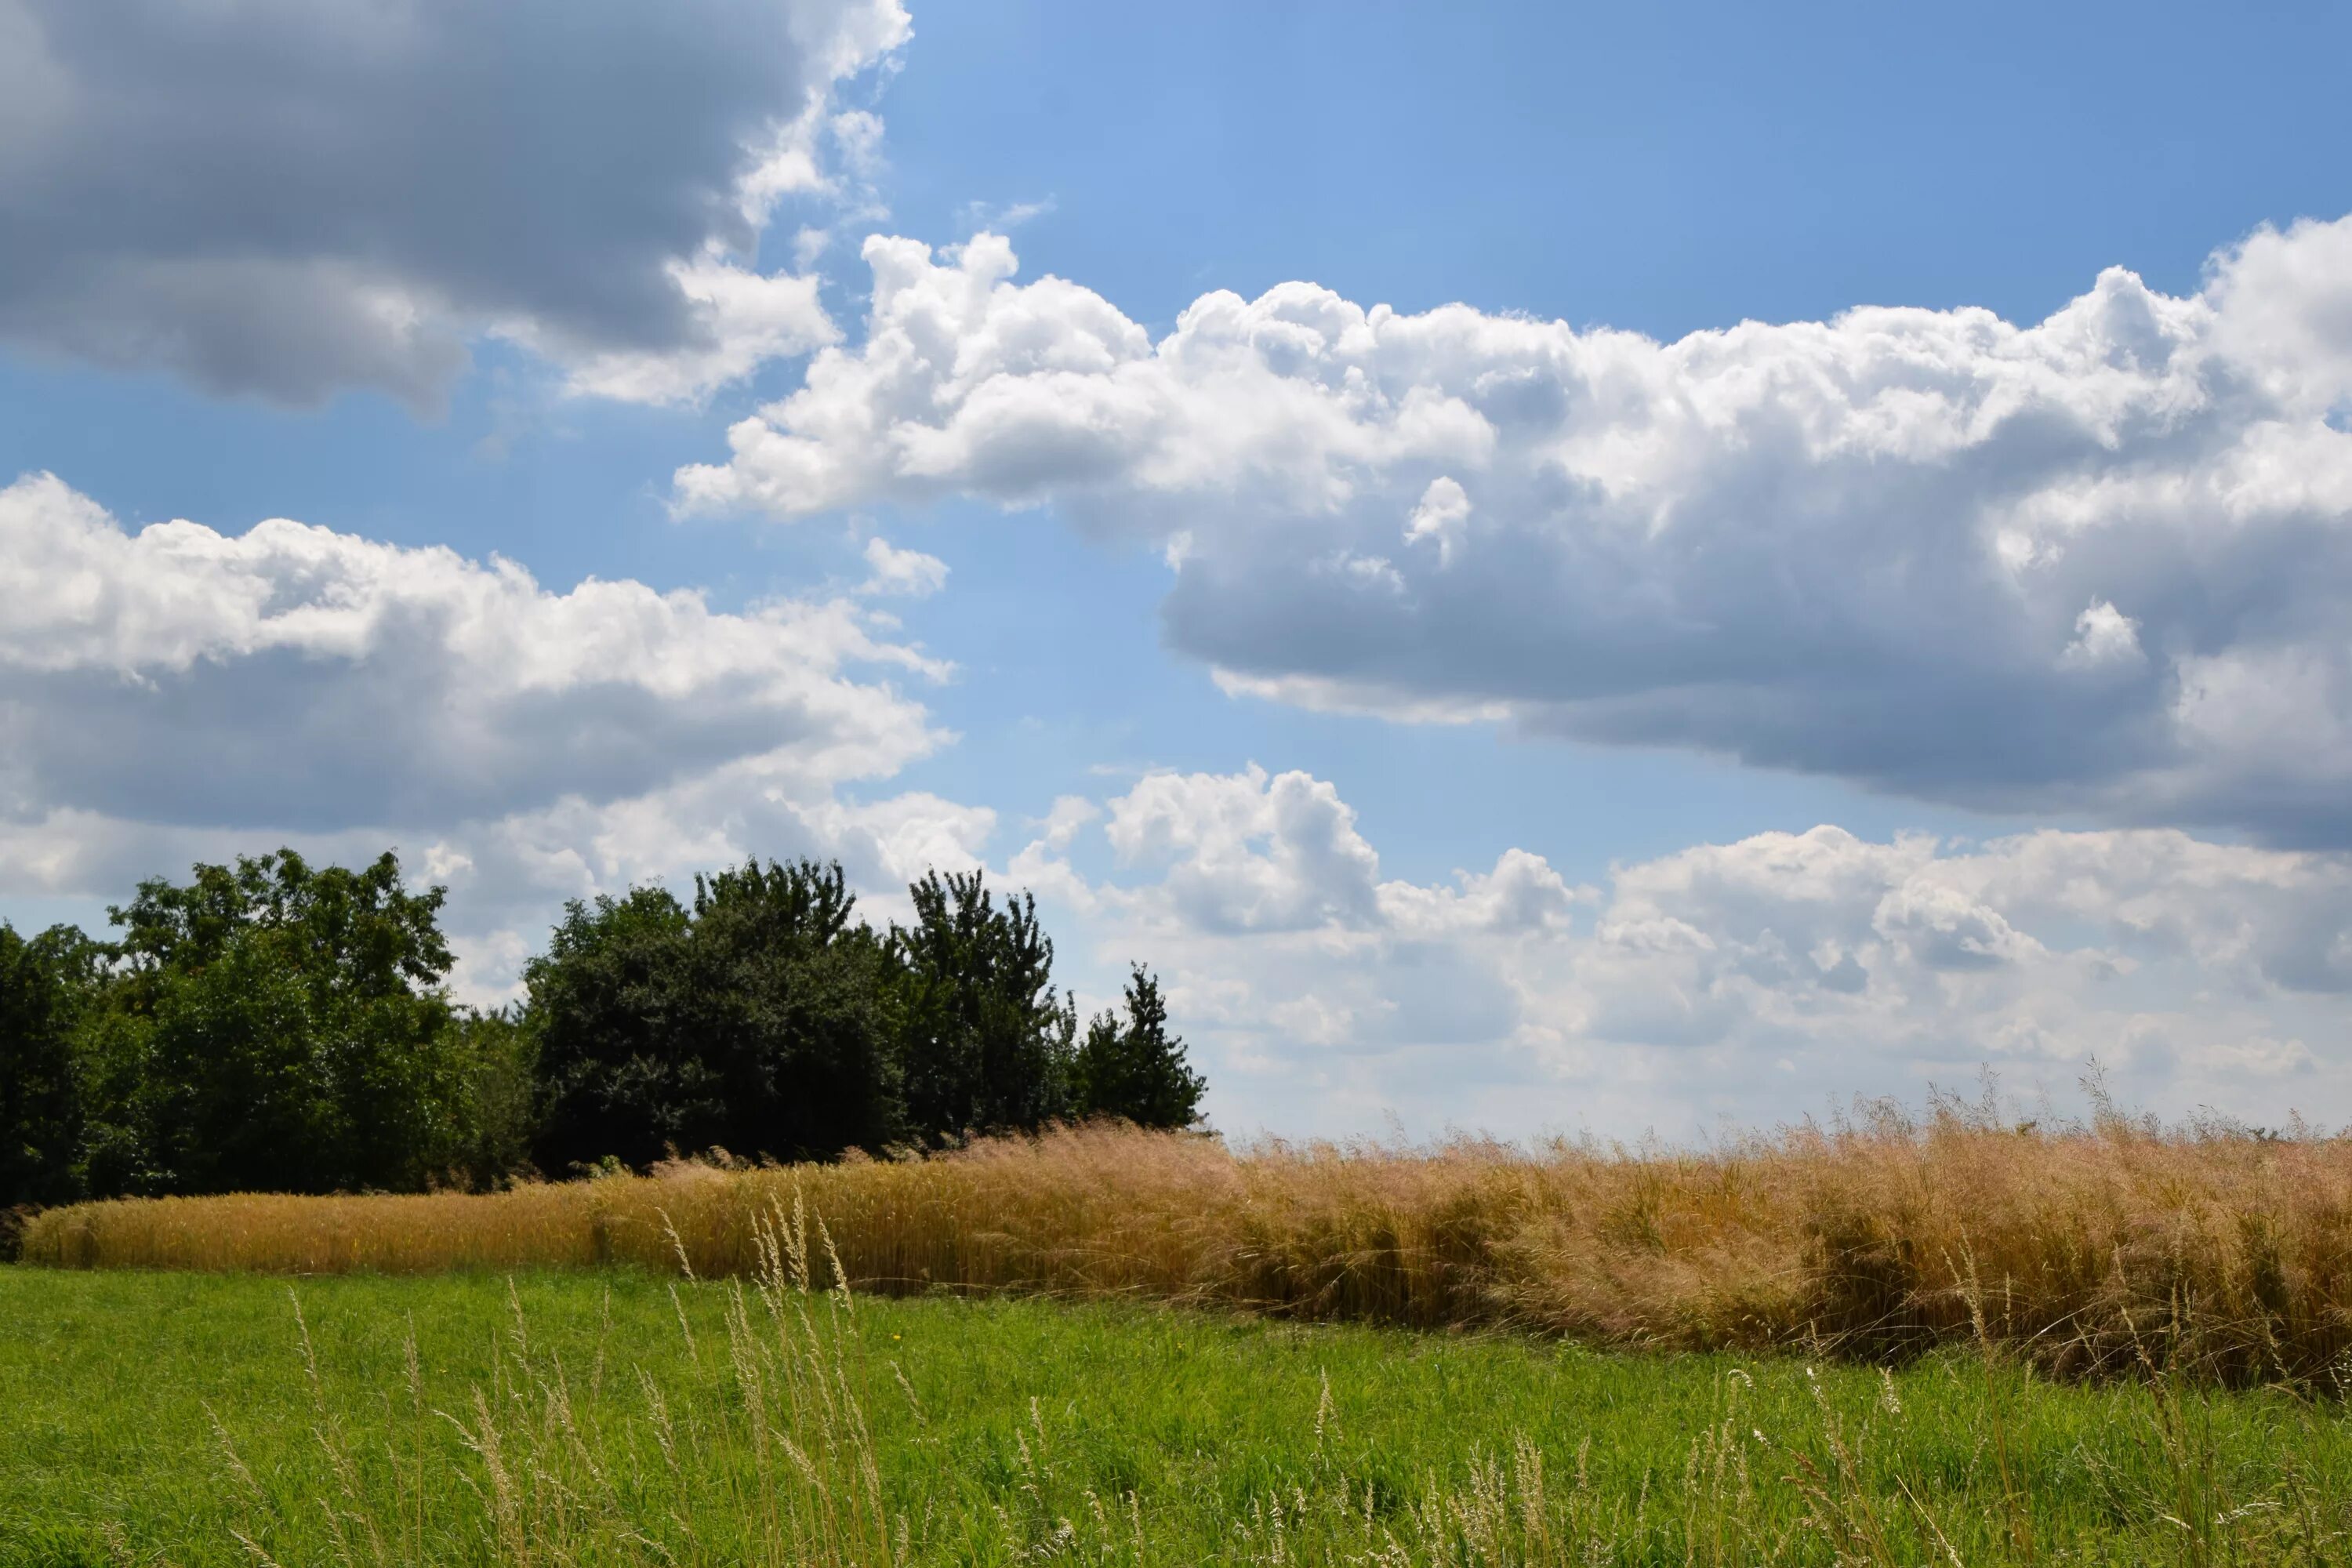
x: 1005, y: 1430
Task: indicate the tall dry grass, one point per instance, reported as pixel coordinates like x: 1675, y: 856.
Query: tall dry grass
x: 2086, y: 1249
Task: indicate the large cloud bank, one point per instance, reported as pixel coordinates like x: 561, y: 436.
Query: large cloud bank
x: 288, y: 197
x: 2101, y: 563
x: 1753, y: 980
x: 178, y: 692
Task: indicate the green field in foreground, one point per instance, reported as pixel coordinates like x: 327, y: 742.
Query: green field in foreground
x: 1027, y: 1430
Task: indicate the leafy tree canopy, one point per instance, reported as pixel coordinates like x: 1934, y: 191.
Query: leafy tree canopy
x: 985, y: 1046
x: 45, y: 983
x: 274, y: 1026
x: 1137, y: 1070
x: 760, y: 1020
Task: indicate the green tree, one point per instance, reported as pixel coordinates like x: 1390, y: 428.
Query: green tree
x: 1137, y: 1070
x: 760, y: 1020
x: 271, y: 1026
x: 767, y: 1019
x: 983, y: 1045
x: 616, y: 1073
x: 500, y: 1119
x: 45, y: 984
x: 793, y: 995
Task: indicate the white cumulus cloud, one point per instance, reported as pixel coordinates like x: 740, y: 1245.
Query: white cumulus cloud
x: 1863, y: 547
x: 1768, y: 977
x: 907, y: 573
x: 178, y: 693
x: 2102, y: 635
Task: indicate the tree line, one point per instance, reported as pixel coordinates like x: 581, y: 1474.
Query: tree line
x: 278, y: 1027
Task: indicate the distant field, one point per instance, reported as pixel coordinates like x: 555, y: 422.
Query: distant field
x: 1029, y: 1431
x: 2089, y: 1251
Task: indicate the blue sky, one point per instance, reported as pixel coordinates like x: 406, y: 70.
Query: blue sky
x: 1536, y: 631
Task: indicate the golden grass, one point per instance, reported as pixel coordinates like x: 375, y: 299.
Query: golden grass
x: 2086, y: 1249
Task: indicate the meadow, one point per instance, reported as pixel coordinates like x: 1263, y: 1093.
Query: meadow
x: 1950, y: 1339
x: 615, y: 1416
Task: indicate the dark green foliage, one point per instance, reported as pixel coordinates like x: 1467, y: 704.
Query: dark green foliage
x: 794, y: 997
x: 615, y: 1074
x: 273, y: 1027
x: 1137, y: 1071
x: 500, y: 1117
x: 760, y: 1021
x: 983, y: 1044
x: 111, y: 1061
x: 768, y: 1021
x: 45, y: 984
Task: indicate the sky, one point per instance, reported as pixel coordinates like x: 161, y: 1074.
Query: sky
x: 1603, y: 571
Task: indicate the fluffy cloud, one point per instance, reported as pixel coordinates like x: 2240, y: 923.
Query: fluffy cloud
x: 909, y: 572
x: 2098, y: 563
x: 1757, y: 979
x: 177, y: 692
x: 293, y: 675
x: 288, y: 197
x: 1250, y: 853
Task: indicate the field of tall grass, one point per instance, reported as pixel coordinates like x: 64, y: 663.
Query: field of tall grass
x: 2082, y: 1249
x: 615, y: 1419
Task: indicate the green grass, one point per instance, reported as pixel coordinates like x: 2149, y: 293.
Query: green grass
x: 107, y: 1452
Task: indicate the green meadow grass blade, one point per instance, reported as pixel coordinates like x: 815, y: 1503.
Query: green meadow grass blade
x: 153, y: 1417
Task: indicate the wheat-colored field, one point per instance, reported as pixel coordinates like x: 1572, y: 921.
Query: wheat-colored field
x: 2086, y: 1249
